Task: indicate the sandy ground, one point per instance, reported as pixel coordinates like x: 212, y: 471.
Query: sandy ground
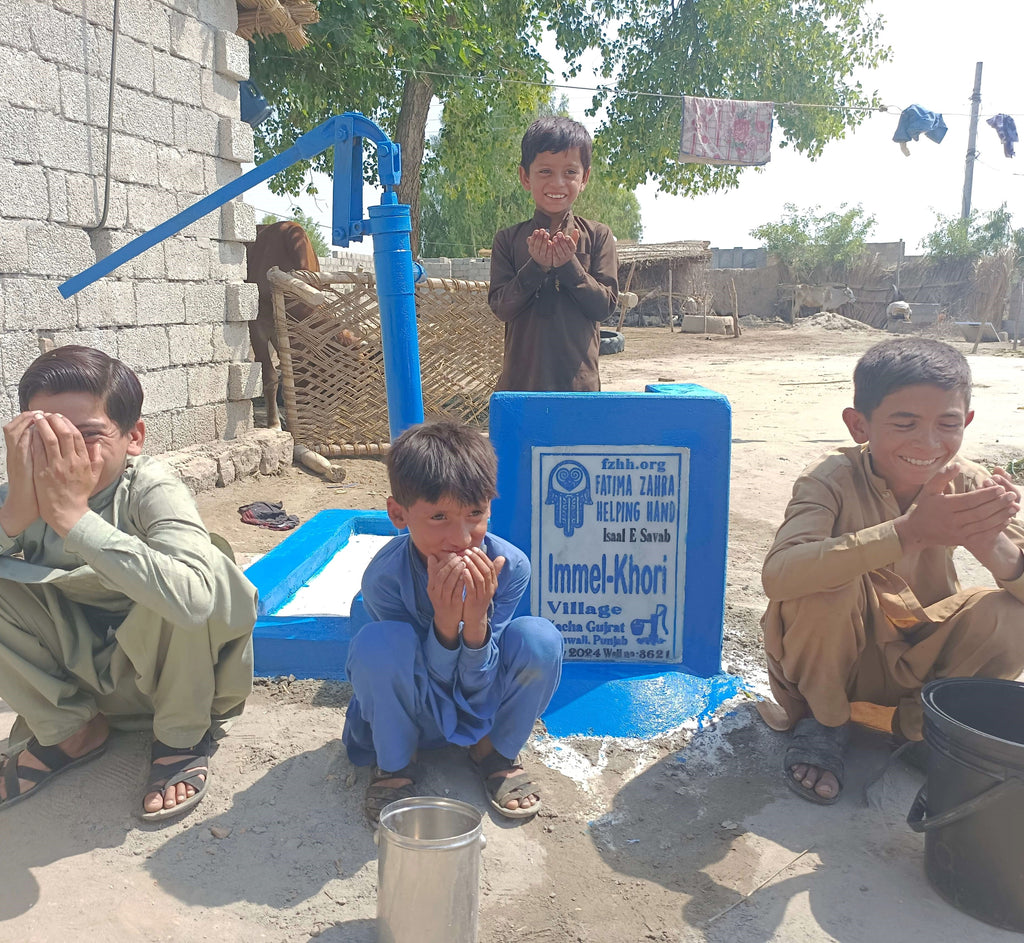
x: 690, y: 837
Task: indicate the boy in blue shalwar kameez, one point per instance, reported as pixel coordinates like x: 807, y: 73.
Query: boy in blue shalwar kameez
x: 443, y: 660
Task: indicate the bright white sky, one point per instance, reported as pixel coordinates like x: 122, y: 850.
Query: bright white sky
x: 936, y: 44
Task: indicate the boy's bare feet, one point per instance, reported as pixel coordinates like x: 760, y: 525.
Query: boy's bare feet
x: 821, y: 781
x: 80, y: 744
x: 479, y: 753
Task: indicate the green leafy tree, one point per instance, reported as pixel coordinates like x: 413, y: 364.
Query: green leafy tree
x: 313, y: 230
x: 656, y: 51
x: 471, y: 184
x: 389, y: 59
x: 979, y: 235
x: 814, y: 244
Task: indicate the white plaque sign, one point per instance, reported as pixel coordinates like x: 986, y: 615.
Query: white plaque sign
x: 609, y: 549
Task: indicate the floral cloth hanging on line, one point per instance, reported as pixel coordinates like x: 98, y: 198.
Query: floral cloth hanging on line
x: 725, y: 131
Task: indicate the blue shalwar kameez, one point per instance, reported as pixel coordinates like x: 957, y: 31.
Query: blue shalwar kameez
x: 410, y: 692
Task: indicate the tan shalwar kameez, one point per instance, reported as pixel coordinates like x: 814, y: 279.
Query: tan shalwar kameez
x: 851, y: 617
x: 134, y: 614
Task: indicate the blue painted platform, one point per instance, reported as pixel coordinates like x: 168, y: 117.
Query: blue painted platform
x: 593, y: 699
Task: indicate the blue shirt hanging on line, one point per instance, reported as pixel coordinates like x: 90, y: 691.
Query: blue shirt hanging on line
x: 915, y: 121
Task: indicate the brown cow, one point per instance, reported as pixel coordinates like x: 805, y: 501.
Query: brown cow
x: 286, y: 245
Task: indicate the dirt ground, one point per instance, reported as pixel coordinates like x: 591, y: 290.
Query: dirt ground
x: 692, y: 837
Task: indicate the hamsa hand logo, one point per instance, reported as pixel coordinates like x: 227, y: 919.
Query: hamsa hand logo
x: 569, y: 491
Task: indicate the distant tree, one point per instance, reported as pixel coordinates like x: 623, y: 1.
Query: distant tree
x: 979, y: 235
x: 471, y: 183
x: 811, y: 243
x: 316, y: 236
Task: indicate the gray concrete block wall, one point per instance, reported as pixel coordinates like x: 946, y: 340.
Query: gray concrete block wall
x: 177, y: 313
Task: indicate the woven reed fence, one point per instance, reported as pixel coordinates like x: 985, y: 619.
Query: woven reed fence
x: 332, y: 360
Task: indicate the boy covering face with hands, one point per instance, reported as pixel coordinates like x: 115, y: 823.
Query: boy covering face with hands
x: 443, y: 660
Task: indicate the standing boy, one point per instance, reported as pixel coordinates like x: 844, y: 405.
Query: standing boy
x: 443, y: 660
x: 554, y: 278
x: 865, y: 604
x: 120, y: 607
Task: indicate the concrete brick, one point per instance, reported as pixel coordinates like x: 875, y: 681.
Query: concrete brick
x: 16, y: 30
x: 245, y: 381
x: 148, y: 22
x: 134, y: 65
x: 166, y: 389
x: 68, y: 145
x: 190, y: 7
x: 231, y: 342
x: 276, y: 447
x: 207, y: 384
x: 187, y: 259
x: 83, y: 98
x: 58, y: 250
x: 191, y: 39
x: 148, y: 206
x: 220, y: 14
x: 204, y: 303
x: 134, y: 160
x: 19, y: 134
x: 232, y: 254
x: 66, y: 39
x: 159, y: 435
x: 180, y: 171
x: 24, y: 191
x: 237, y: 420
x: 237, y: 222
x: 159, y: 302
x: 236, y: 141
x: 205, y: 228
x: 219, y: 94
x: 242, y: 302
x: 57, y: 193
x: 106, y: 303
x: 18, y: 350
x: 139, y: 113
x: 220, y: 172
x: 85, y: 200
x: 232, y: 56
x: 178, y: 79
x: 28, y: 81
x: 13, y: 246
x: 192, y: 426
x: 225, y: 470
x: 242, y: 454
x: 144, y: 348
x: 34, y: 304
x: 98, y: 12
x: 190, y: 343
x: 100, y: 339
x: 150, y: 264
x: 196, y: 130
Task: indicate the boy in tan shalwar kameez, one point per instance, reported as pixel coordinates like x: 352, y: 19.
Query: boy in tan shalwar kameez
x: 864, y: 601
x: 113, y: 601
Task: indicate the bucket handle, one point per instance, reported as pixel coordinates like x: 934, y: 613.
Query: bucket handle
x: 919, y: 820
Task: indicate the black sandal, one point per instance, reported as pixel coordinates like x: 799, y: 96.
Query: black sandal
x: 193, y: 769
x: 501, y: 789
x: 54, y: 757
x: 814, y: 744
x: 378, y: 796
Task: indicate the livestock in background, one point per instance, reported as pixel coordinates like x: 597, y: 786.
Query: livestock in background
x: 286, y: 245
x: 898, y: 311
x: 822, y: 297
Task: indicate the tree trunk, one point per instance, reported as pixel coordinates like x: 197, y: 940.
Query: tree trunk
x: 411, y: 133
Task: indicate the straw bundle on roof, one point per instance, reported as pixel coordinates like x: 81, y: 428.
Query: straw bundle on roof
x: 269, y: 17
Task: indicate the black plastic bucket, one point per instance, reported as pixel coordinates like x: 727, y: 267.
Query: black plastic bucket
x: 971, y: 807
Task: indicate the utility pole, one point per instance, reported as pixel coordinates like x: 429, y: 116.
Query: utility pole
x: 972, y: 137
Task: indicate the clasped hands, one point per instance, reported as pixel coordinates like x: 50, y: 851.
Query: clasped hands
x: 51, y: 472
x: 460, y: 587
x: 974, y: 520
x: 552, y: 251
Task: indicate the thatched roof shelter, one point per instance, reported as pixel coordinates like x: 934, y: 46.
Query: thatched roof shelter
x: 270, y: 17
x: 670, y: 278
